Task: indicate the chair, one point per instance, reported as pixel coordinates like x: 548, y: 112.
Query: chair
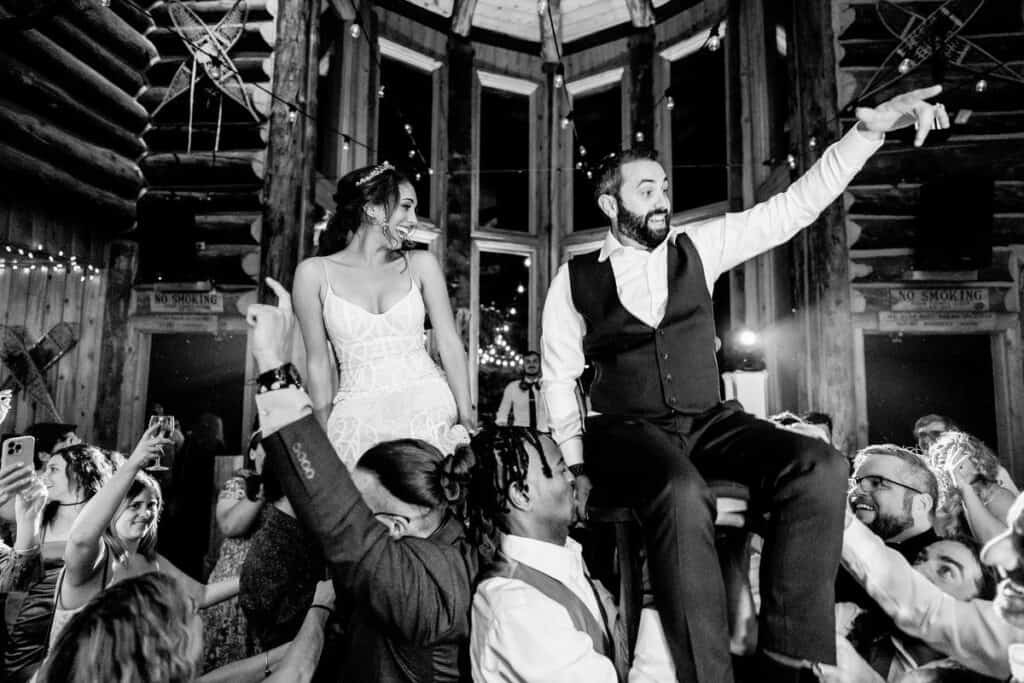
x: 732, y: 539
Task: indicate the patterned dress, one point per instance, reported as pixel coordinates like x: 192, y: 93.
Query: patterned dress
x: 388, y: 387
x: 225, y: 636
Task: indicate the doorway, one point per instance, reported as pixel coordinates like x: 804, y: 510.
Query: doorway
x: 910, y: 375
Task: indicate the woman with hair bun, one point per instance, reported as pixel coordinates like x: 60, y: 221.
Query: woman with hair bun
x: 361, y: 305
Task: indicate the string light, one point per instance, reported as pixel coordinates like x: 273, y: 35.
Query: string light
x: 566, y: 120
x: 408, y: 129
x: 37, y: 257
x: 380, y: 92
x: 583, y: 151
x: 560, y: 75
x: 345, y: 142
x: 905, y: 66
x: 354, y: 31
x: 542, y: 7
x: 981, y: 85
x: 812, y: 144
x: 791, y: 161
x: 293, y: 115
x: 639, y: 135
x: 714, y: 40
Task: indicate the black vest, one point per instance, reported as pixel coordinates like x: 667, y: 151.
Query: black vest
x: 642, y: 371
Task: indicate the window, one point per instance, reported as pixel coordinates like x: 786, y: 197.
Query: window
x: 778, y: 20
x: 408, y: 100
x: 505, y: 200
x: 698, y: 128
x: 597, y: 114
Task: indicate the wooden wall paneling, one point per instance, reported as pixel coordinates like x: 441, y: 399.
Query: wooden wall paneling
x: 89, y: 351
x: 65, y: 388
x: 35, y: 311
x: 115, y: 359
x: 415, y: 36
x: 701, y: 15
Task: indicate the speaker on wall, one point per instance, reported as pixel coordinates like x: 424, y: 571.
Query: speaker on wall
x: 954, y: 224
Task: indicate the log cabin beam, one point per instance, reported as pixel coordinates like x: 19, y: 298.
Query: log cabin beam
x: 211, y: 200
x: 345, y: 10
x: 462, y: 17
x: 122, y: 265
x: 132, y: 14
x: 641, y: 82
x: 821, y: 255
x: 95, y: 54
x: 641, y: 12
x: 46, y: 180
x: 234, y: 135
x: 291, y: 150
x: 259, y: 97
x: 551, y: 32
x: 42, y: 139
x: 212, y: 10
x: 205, y: 168
x: 899, y: 163
x: 115, y: 33
x: 77, y: 76
x: 252, y: 67
x: 24, y: 84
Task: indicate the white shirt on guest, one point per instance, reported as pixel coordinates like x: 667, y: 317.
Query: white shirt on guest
x: 515, y: 401
x: 519, y: 634
x: 641, y: 276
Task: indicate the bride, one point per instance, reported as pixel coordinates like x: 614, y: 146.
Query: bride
x: 366, y: 298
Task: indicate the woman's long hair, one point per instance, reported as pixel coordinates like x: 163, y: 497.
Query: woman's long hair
x: 137, y: 630
x: 88, y: 469
x: 377, y: 184
x: 147, y: 546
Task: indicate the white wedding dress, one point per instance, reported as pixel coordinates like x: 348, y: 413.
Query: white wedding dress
x: 388, y: 386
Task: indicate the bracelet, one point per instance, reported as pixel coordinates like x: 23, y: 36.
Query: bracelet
x: 278, y: 378
x: 329, y: 610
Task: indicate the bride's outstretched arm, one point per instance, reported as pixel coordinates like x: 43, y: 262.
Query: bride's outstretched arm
x: 320, y: 374
x: 449, y: 345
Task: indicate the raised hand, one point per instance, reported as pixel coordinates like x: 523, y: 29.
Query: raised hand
x: 149, y: 449
x: 18, y: 479
x: 905, y: 110
x: 29, y: 504
x: 271, y: 328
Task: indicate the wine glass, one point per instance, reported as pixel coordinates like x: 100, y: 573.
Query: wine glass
x: 166, y: 424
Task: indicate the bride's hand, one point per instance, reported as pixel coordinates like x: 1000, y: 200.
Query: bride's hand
x: 470, y: 424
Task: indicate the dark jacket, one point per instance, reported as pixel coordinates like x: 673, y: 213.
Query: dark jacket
x: 410, y: 598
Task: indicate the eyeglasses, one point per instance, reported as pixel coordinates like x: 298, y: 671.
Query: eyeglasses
x: 873, y: 482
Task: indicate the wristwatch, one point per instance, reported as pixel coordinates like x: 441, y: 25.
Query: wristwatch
x: 281, y: 377
x: 578, y: 470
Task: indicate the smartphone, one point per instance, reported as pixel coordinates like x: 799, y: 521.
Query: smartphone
x: 18, y: 449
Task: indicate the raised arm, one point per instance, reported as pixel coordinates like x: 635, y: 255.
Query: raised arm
x: 235, y: 513
x: 449, y: 344
x: 970, y: 632
x: 321, y: 375
x: 84, y: 546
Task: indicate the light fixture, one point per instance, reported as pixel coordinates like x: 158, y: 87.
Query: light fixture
x: 293, y: 115
x: 981, y: 85
x: 639, y: 136
x: 714, y: 40
x: 791, y: 162
x: 345, y: 142
x: 905, y: 65
x: 380, y: 92
x: 564, y: 123
x: 408, y: 129
x: 354, y: 30
x: 560, y: 75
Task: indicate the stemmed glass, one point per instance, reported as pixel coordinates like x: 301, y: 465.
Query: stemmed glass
x: 166, y: 424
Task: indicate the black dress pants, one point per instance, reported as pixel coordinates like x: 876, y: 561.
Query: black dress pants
x: 660, y: 469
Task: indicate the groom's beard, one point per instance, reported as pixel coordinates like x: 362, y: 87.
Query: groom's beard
x: 639, y: 229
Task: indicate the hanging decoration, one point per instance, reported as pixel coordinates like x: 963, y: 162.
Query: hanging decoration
x: 25, y: 259
x: 27, y: 362
x: 495, y: 349
x: 936, y: 39
x: 209, y: 50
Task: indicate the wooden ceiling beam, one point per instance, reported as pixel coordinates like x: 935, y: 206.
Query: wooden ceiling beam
x: 462, y: 17
x: 551, y: 31
x: 641, y: 12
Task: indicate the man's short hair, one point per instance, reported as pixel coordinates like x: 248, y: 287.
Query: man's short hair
x: 988, y: 579
x: 531, y: 354
x: 920, y: 473
x: 609, y: 177
x: 933, y: 417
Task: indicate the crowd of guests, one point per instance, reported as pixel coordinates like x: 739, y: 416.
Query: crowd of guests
x: 377, y: 533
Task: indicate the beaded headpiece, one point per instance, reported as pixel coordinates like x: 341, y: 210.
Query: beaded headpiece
x: 376, y: 171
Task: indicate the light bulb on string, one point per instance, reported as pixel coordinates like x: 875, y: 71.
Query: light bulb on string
x: 542, y: 7
x: 412, y: 153
x: 354, y: 30
x: 812, y: 144
x: 408, y: 129
x: 345, y: 143
x: 430, y: 171
x: 981, y: 86
x: 583, y: 151
x: 639, y: 135
x: 564, y: 123
x: 380, y: 92
x: 714, y: 40
x: 419, y: 176
x: 293, y: 115
x: 579, y: 165
x: 905, y: 66
x: 559, y: 75
x: 670, y: 103
x: 791, y: 161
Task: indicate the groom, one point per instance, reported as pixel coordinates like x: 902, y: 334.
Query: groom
x: 640, y: 310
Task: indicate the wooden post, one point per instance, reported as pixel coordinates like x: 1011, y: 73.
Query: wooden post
x: 821, y: 255
x: 641, y: 80
x: 288, y: 200
x: 457, y: 222
x: 123, y: 262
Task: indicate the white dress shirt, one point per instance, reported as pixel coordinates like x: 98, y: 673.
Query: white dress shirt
x: 515, y: 401
x: 519, y: 634
x: 641, y: 276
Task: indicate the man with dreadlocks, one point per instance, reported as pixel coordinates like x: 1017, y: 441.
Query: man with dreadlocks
x: 640, y: 311
x: 537, y: 615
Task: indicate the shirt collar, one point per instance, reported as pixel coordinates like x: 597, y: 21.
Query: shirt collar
x: 559, y: 562
x: 612, y: 245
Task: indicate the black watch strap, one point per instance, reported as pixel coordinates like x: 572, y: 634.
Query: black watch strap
x: 281, y: 377
x: 578, y: 470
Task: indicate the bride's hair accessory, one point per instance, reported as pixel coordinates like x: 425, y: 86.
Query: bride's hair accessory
x: 376, y: 171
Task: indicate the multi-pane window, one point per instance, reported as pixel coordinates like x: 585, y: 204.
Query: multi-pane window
x: 407, y: 102
x: 504, y: 200
x: 598, y: 118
